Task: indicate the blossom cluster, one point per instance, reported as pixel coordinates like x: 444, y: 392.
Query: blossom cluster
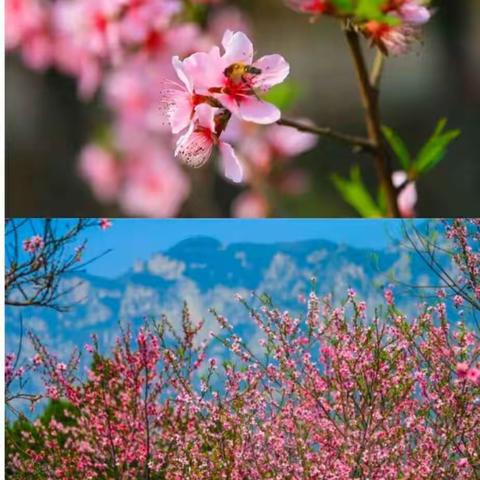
x: 393, y: 33
x: 123, y: 50
x: 334, y: 393
x: 215, y: 87
x: 157, y: 67
x: 464, y: 235
x: 33, y: 244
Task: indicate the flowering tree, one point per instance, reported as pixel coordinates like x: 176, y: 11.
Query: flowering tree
x: 450, y: 249
x: 161, y: 72
x: 338, y: 392
x: 38, y: 254
x: 335, y: 395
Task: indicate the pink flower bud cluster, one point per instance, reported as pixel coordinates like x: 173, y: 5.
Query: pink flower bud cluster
x: 34, y: 244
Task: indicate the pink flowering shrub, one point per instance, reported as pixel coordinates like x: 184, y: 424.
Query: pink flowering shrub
x: 337, y: 393
x: 182, y: 84
x: 464, y: 235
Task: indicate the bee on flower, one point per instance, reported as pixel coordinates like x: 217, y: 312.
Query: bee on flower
x: 214, y: 87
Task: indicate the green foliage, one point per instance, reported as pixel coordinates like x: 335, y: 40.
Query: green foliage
x: 102, y: 136
x: 356, y: 194
x: 283, y: 95
x: 365, y: 10
x: 344, y: 5
x: 432, y: 152
x: 371, y: 9
x: 435, y: 148
x: 195, y: 12
x: 266, y: 300
x: 398, y: 146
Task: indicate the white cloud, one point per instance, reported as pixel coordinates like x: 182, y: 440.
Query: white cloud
x: 317, y: 256
x: 164, y: 267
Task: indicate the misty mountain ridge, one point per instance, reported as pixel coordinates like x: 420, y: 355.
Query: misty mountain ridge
x: 207, y: 274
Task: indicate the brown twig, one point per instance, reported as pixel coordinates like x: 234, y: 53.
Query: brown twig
x: 377, y: 69
x: 358, y: 143
x: 369, y: 96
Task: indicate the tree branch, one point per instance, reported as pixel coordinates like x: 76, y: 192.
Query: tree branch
x: 369, y: 96
x: 358, y: 143
x: 377, y: 69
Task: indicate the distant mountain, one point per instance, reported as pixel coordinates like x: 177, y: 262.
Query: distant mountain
x: 206, y: 274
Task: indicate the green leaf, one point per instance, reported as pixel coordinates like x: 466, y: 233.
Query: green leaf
x: 356, y: 194
x: 282, y: 96
x: 382, y: 199
x: 435, y: 148
x: 370, y: 9
x: 441, y: 124
x: 373, y: 10
x: 266, y: 299
x: 398, y: 146
x: 345, y: 6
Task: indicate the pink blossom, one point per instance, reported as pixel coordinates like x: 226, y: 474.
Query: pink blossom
x: 458, y: 301
x: 407, y: 198
x: 104, y: 223
x: 238, y: 92
x: 250, y: 205
x: 473, y: 375
x: 27, y: 26
x: 388, y: 295
x: 178, y: 100
x: 37, y: 360
x: 268, y: 145
x: 294, y: 182
x: 227, y: 18
x: 61, y: 367
x: 287, y: 142
x: 315, y: 7
x: 33, y: 244
x: 396, y: 39
x: 462, y: 369
x: 155, y: 185
x: 234, y: 79
x: 195, y: 147
x: 100, y: 168
x: 414, y: 12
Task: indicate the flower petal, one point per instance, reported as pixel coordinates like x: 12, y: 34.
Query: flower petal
x: 238, y: 48
x: 205, y: 70
x: 181, y: 115
x: 205, y: 116
x: 251, y: 109
x: 182, y: 75
x: 274, y: 71
x: 415, y: 13
x: 229, y: 103
x: 231, y: 165
x: 195, y: 150
x: 407, y: 199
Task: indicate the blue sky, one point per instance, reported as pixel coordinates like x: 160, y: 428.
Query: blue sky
x: 133, y: 239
